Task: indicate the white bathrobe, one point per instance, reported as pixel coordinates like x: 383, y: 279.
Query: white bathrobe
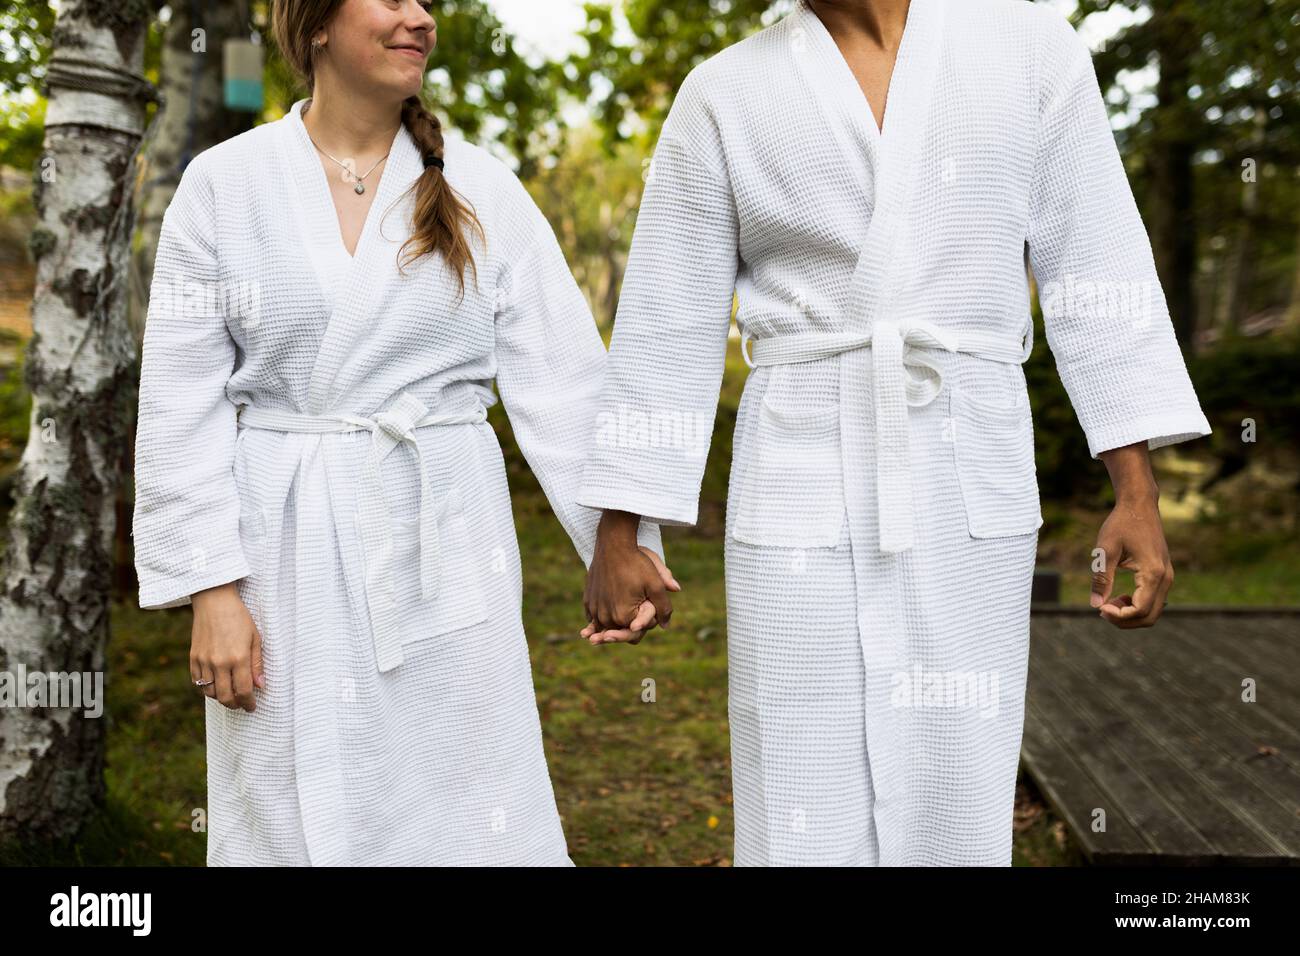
x: 380, y: 564
x: 883, y: 508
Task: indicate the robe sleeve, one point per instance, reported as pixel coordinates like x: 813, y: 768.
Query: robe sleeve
x: 550, y: 363
x: 669, y: 343
x: 1104, y: 310
x: 186, y: 520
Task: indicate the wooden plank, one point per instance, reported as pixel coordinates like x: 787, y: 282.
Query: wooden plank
x: 1257, y: 640
x: 1239, y: 652
x: 1260, y: 739
x: 1212, y: 684
x: 1166, y: 748
x: 1098, y: 739
x: 1161, y: 655
x: 1179, y: 684
x: 1071, y: 792
x: 1283, y: 638
x: 1199, y: 764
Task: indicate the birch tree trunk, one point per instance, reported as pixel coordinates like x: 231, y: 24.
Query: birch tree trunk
x: 80, y: 369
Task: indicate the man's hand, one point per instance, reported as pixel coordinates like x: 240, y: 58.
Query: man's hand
x: 622, y: 580
x: 1132, y: 537
x: 645, y: 619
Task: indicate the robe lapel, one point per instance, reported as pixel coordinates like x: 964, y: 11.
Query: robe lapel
x: 888, y: 156
x: 891, y: 152
x: 834, y: 86
x: 317, y: 221
x: 911, y: 94
x: 373, y: 264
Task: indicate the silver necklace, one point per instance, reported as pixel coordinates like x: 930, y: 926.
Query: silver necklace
x: 360, y: 187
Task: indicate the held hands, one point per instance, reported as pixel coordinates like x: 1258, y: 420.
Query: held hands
x: 627, y: 584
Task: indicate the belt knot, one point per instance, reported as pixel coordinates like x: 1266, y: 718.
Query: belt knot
x: 903, y: 376
x: 388, y: 428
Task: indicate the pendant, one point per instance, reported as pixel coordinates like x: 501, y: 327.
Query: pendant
x: 359, y: 188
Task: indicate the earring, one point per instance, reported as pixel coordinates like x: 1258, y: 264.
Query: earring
x: 316, y: 46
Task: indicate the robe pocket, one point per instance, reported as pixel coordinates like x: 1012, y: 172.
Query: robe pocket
x: 459, y: 601
x: 993, y: 451
x: 792, y: 487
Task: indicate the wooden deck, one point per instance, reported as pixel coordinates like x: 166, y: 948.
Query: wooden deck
x: 1150, y: 726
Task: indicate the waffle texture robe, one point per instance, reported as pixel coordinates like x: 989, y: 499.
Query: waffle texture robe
x: 883, y: 508
x: 380, y: 564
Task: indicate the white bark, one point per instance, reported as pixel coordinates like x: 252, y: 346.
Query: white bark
x: 57, y: 569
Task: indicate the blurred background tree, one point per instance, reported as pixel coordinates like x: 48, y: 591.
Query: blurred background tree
x: 1222, y: 129
x: 629, y: 84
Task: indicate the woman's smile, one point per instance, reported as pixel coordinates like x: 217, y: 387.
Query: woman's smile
x: 411, y: 51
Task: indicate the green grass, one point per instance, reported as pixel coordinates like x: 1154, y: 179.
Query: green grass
x: 1267, y: 582
x: 638, y: 780
x: 1215, y: 562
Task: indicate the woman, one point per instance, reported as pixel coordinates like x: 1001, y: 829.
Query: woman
x: 347, y: 542
x: 883, y: 508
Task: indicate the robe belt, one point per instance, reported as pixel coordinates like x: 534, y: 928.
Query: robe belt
x: 388, y: 428
x: 901, y: 377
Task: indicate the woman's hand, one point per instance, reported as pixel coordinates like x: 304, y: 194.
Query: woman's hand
x: 1132, y: 537
x: 226, y: 648
x: 645, y: 617
x: 622, y: 579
